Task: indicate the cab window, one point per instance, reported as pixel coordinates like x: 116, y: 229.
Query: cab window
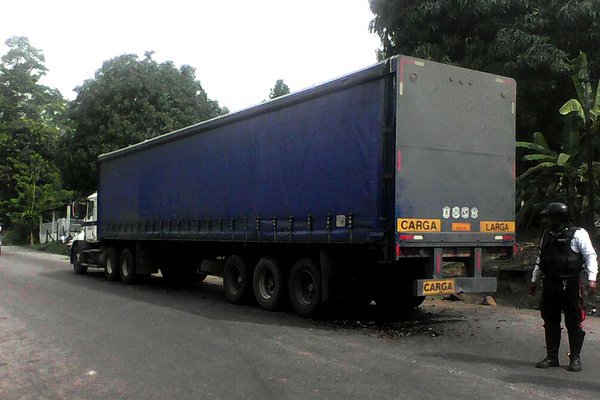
x: 90, y: 210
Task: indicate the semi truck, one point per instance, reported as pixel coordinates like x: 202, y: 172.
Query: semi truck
x: 359, y: 189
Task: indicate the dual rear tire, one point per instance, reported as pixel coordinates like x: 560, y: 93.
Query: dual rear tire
x: 127, y: 267
x: 268, y: 285
x: 305, y: 287
x: 237, y: 281
x: 111, y: 265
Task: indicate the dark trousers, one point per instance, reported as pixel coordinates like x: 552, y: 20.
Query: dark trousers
x: 562, y: 296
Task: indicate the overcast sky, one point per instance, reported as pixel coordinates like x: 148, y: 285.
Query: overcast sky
x: 238, y: 47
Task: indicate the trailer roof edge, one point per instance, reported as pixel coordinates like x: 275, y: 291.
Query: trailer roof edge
x: 363, y: 75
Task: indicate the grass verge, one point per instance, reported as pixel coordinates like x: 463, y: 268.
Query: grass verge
x: 52, y: 247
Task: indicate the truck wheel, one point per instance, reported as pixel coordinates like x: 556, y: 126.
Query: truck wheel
x: 77, y: 267
x: 127, y: 267
x: 237, y: 282
x: 305, y: 287
x: 268, y: 284
x: 111, y: 265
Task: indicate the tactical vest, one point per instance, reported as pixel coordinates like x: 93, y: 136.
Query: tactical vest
x: 557, y: 259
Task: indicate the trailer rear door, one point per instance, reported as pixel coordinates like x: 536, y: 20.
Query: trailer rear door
x: 455, y: 156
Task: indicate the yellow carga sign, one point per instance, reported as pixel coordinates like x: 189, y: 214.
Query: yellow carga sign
x: 497, y: 226
x: 418, y: 225
x: 446, y: 286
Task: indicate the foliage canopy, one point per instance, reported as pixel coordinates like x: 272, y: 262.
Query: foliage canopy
x: 280, y: 89
x: 128, y: 101
x: 530, y: 40
x: 32, y: 119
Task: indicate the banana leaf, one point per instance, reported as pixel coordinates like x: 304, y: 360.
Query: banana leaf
x: 536, y: 147
x: 573, y: 106
x: 563, y: 159
x: 537, y: 168
x: 540, y: 157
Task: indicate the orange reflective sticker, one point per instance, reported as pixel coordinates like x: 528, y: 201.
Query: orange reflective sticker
x: 461, y: 227
x: 497, y: 227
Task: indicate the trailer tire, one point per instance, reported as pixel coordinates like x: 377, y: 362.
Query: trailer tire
x: 76, y: 258
x: 305, y: 287
x: 127, y: 267
x: 111, y: 265
x: 237, y: 280
x: 268, y: 284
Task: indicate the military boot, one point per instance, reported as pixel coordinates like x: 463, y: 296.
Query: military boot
x: 575, y: 344
x: 552, y: 346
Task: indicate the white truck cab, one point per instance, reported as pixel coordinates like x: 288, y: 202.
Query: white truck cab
x: 84, y: 245
x: 90, y: 222
x: 89, y: 233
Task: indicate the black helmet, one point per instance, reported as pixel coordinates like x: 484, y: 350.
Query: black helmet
x: 558, y: 209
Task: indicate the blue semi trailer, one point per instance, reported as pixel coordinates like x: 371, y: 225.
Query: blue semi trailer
x: 362, y: 188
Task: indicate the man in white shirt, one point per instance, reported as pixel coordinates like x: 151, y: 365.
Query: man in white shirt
x: 564, y: 252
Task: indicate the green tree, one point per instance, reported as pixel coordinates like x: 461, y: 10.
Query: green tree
x: 31, y: 119
x: 551, y: 176
x: 530, y: 40
x: 570, y: 174
x: 280, y: 89
x: 128, y: 101
x: 39, y: 188
x: 587, y: 109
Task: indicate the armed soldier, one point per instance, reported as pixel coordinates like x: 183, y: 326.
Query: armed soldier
x: 564, y: 252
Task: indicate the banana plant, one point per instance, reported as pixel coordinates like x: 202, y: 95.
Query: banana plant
x: 566, y: 174
x: 553, y: 175
x: 587, y: 109
x: 546, y: 159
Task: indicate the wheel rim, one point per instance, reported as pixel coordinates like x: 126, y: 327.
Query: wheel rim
x: 305, y: 288
x: 124, y: 268
x: 109, y: 268
x: 266, y: 284
x: 236, y: 281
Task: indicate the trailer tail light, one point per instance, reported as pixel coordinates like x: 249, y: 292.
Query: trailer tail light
x: 505, y: 238
x: 408, y: 238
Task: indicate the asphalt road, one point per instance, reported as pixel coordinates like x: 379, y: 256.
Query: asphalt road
x: 64, y: 336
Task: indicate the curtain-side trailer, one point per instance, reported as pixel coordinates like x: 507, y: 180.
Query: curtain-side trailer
x: 361, y: 187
